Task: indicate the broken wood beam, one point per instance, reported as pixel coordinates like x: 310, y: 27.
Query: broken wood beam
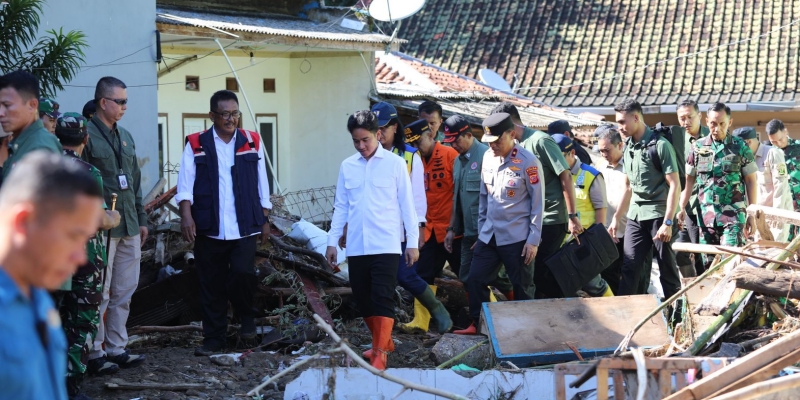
x: 162, y: 329
x: 741, y: 369
x: 318, y: 272
x: 161, y: 200
x: 696, y: 248
x: 154, y: 386
x: 786, y: 385
x: 311, y: 290
x: 772, y: 214
x: 771, y: 283
x: 734, y: 250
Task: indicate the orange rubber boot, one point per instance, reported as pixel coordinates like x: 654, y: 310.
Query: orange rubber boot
x: 368, y: 320
x: 471, y: 330
x: 382, y: 343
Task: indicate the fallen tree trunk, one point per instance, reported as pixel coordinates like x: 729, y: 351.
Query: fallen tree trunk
x: 772, y: 283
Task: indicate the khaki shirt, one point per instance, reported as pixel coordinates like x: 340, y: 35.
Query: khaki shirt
x: 100, y: 154
x: 512, y: 198
x: 32, y: 138
x: 764, y: 186
x: 649, y: 186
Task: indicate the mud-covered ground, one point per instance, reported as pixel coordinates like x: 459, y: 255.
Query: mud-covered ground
x: 171, y: 360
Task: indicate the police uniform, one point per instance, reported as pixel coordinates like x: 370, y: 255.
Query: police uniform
x: 509, y: 216
x: 466, y: 196
x: 720, y: 169
x: 554, y: 220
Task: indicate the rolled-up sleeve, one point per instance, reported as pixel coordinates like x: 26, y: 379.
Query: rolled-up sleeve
x: 186, y: 176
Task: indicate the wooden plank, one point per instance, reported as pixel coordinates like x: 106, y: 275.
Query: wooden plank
x: 680, y: 380
x: 785, y: 387
x: 311, y: 290
x: 682, y: 363
x: 772, y: 214
x: 665, y: 382
x: 763, y: 373
x: 561, y: 386
x: 773, y: 283
x: 602, y: 384
x: 721, y: 296
x: 696, y: 248
x: 742, y: 368
x: 535, y: 330
x: 619, y: 385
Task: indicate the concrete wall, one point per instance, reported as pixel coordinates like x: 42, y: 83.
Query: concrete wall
x: 312, y: 106
x: 115, y: 29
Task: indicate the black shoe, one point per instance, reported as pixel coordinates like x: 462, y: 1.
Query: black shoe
x: 206, y: 350
x: 126, y: 360
x: 248, y: 328
x: 101, y: 367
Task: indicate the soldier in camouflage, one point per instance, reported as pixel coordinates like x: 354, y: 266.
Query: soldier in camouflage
x: 779, y: 137
x: 724, y: 169
x: 79, y: 305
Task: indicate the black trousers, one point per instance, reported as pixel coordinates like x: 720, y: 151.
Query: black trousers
x: 638, y: 242
x: 546, y: 284
x: 690, y: 234
x: 373, y: 279
x: 432, y: 257
x: 226, y: 269
x: 613, y: 274
x: 485, y: 264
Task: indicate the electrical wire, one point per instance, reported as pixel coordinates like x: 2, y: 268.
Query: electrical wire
x: 686, y: 55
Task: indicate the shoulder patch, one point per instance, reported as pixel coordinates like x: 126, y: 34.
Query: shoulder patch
x: 533, y: 175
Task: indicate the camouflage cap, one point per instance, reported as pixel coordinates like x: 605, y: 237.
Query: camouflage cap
x: 48, y: 107
x: 71, y: 120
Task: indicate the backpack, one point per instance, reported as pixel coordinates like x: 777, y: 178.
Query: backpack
x: 675, y: 135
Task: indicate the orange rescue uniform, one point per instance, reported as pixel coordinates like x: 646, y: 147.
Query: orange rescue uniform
x: 439, y: 190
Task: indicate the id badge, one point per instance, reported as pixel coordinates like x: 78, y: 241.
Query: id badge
x: 123, y: 181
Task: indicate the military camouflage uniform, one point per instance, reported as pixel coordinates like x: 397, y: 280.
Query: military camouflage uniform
x: 791, y: 155
x: 80, y: 307
x: 720, y: 169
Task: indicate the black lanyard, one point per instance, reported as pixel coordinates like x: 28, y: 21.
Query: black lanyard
x: 118, y: 151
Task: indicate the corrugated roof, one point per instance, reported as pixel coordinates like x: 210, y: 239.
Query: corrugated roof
x: 401, y: 76
x: 280, y: 25
x: 551, y: 44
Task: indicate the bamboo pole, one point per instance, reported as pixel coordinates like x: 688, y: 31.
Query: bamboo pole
x: 718, y: 323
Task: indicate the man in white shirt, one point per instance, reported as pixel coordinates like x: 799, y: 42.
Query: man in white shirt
x: 373, y: 194
x: 223, y: 193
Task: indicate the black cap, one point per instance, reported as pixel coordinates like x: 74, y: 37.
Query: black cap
x: 416, y: 129
x: 494, y: 126
x: 559, y: 126
x: 89, y: 109
x: 746, y: 132
x: 453, y: 127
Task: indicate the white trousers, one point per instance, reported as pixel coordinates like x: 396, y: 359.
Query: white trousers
x: 122, y: 278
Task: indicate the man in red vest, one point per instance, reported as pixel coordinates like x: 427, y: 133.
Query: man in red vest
x: 223, y: 193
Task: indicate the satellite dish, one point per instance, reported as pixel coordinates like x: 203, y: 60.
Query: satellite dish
x: 394, y: 10
x: 492, y: 79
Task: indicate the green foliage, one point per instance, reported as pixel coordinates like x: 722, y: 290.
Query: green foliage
x: 55, y: 59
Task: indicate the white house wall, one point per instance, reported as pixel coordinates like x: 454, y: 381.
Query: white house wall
x: 321, y: 101
x: 174, y: 100
x: 312, y: 108
x: 114, y: 30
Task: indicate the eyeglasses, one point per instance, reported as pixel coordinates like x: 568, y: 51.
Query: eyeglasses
x: 121, y: 102
x: 228, y: 115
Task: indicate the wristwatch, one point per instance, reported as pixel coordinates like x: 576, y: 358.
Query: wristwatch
x: 421, y: 224
x: 575, y: 215
x: 449, y: 229
x: 668, y: 222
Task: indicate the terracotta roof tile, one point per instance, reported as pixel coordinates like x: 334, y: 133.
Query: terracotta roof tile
x: 556, y: 44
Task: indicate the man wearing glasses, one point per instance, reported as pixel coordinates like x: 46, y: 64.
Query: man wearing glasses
x: 111, y: 150
x: 223, y: 194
